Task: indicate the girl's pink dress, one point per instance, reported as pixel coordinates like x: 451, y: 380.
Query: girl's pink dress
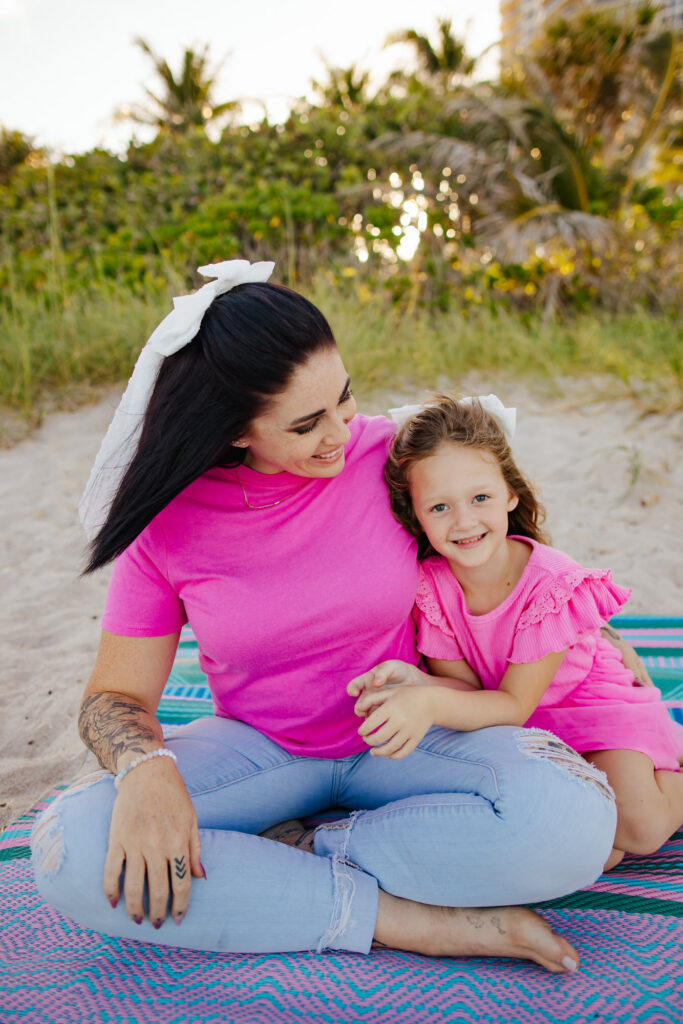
x: 593, y: 703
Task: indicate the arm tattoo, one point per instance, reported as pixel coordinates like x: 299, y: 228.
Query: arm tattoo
x: 111, y: 725
x: 610, y: 633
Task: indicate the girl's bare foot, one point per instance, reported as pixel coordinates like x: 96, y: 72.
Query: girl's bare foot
x: 615, y: 857
x: 494, y: 931
x: 291, y: 833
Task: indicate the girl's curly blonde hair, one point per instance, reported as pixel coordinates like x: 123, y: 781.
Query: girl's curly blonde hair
x: 447, y: 420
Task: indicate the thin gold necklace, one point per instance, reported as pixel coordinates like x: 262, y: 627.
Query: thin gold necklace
x: 257, y: 508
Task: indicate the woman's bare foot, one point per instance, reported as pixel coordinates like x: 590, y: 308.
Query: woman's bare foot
x: 450, y: 931
x: 291, y: 833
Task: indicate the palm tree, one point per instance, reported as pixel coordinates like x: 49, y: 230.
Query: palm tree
x: 615, y: 80
x: 183, y: 102
x: 445, y: 61
x: 15, y: 147
x: 549, y: 160
x: 345, y: 88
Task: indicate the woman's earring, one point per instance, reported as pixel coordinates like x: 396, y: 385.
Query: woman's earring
x: 241, y: 444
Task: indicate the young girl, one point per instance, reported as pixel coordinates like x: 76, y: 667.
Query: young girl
x: 510, y: 627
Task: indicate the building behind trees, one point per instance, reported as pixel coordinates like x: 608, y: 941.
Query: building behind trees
x: 523, y: 21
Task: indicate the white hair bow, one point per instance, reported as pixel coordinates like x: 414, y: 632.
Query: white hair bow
x: 505, y: 418
x: 173, y: 333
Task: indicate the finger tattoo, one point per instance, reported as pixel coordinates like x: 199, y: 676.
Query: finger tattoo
x: 179, y: 867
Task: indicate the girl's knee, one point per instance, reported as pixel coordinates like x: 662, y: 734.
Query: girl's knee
x: 641, y: 834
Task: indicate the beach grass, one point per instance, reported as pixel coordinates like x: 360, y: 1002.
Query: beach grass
x: 58, y: 347
x: 384, y: 348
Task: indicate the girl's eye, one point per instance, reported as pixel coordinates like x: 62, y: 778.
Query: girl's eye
x: 308, y: 429
x: 345, y: 397
x: 438, y: 508
x: 480, y: 498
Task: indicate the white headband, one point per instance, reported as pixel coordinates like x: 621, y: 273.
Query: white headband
x: 173, y: 333
x: 505, y: 418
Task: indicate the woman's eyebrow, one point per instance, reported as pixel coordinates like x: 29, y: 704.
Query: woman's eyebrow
x: 314, y: 415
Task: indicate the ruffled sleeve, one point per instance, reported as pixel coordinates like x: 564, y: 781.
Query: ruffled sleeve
x: 564, y: 610
x: 435, y: 637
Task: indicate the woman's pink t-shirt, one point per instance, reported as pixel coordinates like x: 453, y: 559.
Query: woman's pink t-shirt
x: 288, y: 603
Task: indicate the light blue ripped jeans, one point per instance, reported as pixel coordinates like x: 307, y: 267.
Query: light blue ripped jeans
x: 499, y: 816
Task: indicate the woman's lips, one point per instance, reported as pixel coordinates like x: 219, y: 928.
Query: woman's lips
x: 330, y: 456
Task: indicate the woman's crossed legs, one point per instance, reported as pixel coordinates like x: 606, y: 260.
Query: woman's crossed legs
x: 500, y: 816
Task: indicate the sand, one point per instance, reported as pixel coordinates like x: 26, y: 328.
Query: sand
x: 612, y: 481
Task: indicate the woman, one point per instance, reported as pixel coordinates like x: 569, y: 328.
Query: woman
x: 254, y: 507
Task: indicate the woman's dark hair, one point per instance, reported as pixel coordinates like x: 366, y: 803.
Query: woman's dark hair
x: 447, y: 420
x: 250, y: 342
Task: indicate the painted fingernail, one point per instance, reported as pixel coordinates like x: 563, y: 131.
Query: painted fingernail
x: 137, y: 919
x: 203, y: 869
x: 178, y: 918
x: 113, y: 901
x: 569, y: 964
x: 158, y: 923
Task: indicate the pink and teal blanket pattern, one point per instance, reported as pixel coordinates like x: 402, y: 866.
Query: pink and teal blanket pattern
x: 628, y: 928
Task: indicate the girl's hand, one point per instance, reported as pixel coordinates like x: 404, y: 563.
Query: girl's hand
x: 401, y: 717
x: 154, y: 835
x: 629, y: 657
x: 394, y: 673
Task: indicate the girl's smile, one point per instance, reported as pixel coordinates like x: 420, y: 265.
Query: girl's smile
x: 470, y: 542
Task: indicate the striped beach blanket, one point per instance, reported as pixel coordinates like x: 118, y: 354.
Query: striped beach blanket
x: 628, y: 928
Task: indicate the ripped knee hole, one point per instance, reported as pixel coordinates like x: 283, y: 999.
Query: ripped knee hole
x: 545, y: 746
x: 47, y: 840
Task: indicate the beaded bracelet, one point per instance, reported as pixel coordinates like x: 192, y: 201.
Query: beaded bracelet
x: 161, y: 752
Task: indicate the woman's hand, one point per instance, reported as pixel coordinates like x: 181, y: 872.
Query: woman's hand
x: 154, y: 835
x: 153, y: 832
x: 387, y: 673
x: 397, y: 717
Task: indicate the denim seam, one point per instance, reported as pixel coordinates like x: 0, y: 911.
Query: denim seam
x: 468, y: 762
x: 249, y: 775
x: 337, y: 782
x: 379, y: 813
x: 344, y: 892
x: 344, y: 884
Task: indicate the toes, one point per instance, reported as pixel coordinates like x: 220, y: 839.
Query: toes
x: 284, y: 831
x: 545, y: 946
